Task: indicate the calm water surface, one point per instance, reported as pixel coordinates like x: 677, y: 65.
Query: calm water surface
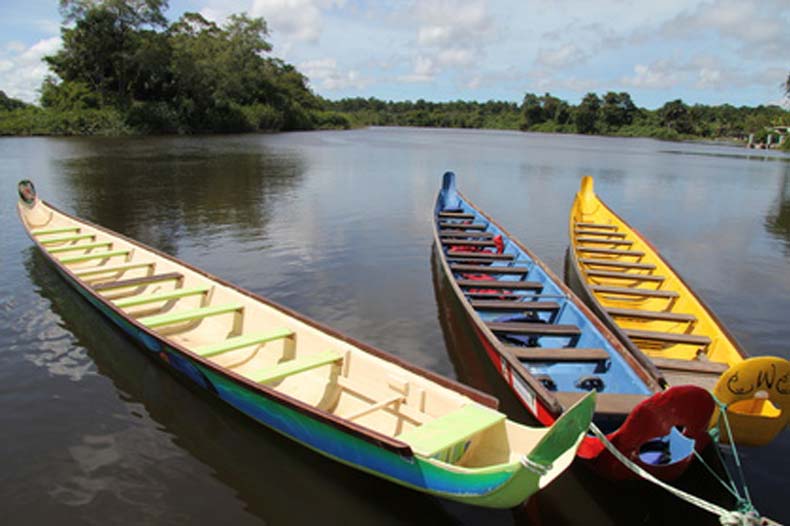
x: 337, y: 225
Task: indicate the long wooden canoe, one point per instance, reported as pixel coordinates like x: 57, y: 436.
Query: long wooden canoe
x: 337, y: 396
x: 646, y: 303
x: 551, y: 349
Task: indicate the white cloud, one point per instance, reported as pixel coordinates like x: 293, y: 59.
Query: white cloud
x: 325, y: 73
x: 295, y: 20
x: 22, y: 69
x: 559, y: 57
x: 424, y: 70
x: 658, y: 75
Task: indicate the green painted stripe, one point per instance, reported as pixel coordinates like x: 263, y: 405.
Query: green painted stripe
x: 116, y: 268
x: 278, y: 372
x: 72, y: 248
x: 97, y: 255
x: 450, y: 429
x: 162, y: 296
x: 45, y: 231
x: 160, y: 320
x: 65, y: 239
x: 242, y: 341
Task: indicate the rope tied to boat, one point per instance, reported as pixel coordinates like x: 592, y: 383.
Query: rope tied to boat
x: 536, y: 467
x: 746, y: 515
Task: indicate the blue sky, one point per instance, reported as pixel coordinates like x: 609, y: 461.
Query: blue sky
x: 710, y: 52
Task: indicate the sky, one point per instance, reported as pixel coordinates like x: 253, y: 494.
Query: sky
x: 708, y: 52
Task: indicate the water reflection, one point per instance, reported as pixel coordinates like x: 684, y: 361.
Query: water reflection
x: 578, y: 495
x: 198, y: 187
x: 277, y: 480
x: 777, y: 222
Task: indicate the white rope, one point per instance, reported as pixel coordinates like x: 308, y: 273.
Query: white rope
x: 535, y: 467
x: 726, y: 518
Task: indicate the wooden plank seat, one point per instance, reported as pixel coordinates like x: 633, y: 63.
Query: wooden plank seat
x: 136, y: 282
x: 608, y: 233
x: 651, y: 315
x: 476, y: 256
x: 597, y: 241
x: 625, y: 275
x: 601, y: 226
x: 606, y: 404
x: 114, y: 268
x: 470, y: 235
x: 498, y: 295
x: 456, y: 215
x: 295, y: 366
x: 611, y: 251
x: 480, y: 269
x: 500, y: 284
x: 66, y: 239
x: 96, y: 255
x: 238, y: 342
x: 86, y: 246
x: 516, y: 306
x: 447, y: 430
x: 634, y: 291
x: 464, y: 226
x: 667, y: 337
x: 171, y: 318
x: 174, y: 294
x: 693, y: 366
x: 58, y: 230
x: 563, y: 354
x: 536, y: 329
x: 616, y: 263
x: 466, y: 243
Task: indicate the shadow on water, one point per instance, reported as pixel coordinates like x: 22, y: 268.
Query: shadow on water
x: 578, y: 496
x: 277, y: 480
x: 777, y: 223
x: 200, y: 186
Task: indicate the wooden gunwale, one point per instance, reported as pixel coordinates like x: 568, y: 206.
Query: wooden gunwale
x: 646, y: 371
x: 369, y: 435
x: 613, y: 325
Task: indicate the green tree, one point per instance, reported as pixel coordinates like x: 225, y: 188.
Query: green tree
x: 675, y: 116
x: 532, y: 110
x: 586, y: 115
x: 9, y: 104
x: 617, y: 110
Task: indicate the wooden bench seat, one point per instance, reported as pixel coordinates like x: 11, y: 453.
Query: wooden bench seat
x: 667, y: 337
x: 497, y: 295
x: 516, y: 306
x: 611, y: 251
x: 597, y: 241
x: 136, y: 282
x: 66, y: 239
x: 564, y: 354
x: 465, y: 243
x: 85, y: 246
x: 500, y: 284
x: 480, y: 269
x: 601, y: 226
x: 171, y: 318
x: 606, y: 404
x: 144, y: 299
x: 536, y: 329
x: 625, y: 276
x: 608, y: 233
x: 616, y: 263
x: 634, y: 291
x: 446, y: 234
x: 295, y: 366
x: 104, y: 269
x: 96, y: 255
x: 692, y: 366
x: 238, y: 342
x: 468, y: 259
x: 651, y: 315
x: 465, y: 226
x: 56, y: 230
x: 456, y: 215
x: 447, y: 430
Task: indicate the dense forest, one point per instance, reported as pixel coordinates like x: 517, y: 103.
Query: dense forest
x: 125, y: 69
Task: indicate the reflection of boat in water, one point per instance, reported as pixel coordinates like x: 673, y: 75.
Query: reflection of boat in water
x: 348, y: 401
x: 550, y: 349
x: 635, y: 291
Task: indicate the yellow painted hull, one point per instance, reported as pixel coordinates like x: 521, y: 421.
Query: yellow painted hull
x: 651, y: 308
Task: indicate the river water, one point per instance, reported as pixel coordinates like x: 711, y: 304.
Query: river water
x: 337, y: 226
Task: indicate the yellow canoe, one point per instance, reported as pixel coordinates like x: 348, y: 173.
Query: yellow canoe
x: 624, y: 279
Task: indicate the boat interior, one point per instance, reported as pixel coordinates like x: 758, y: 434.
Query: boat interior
x: 252, y: 339
x: 533, y: 319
